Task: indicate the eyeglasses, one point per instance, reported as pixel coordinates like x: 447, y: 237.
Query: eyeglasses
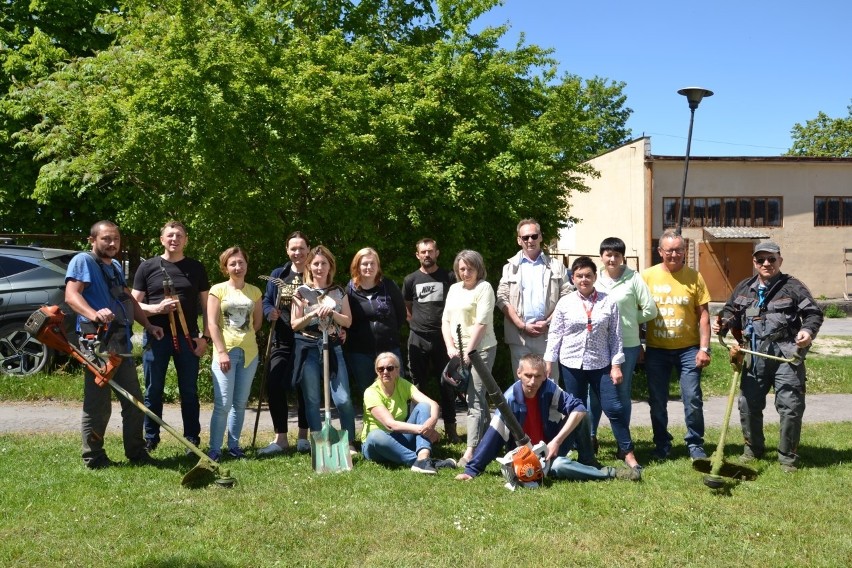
x: 533, y: 237
x: 671, y: 252
x: 389, y: 369
x: 761, y: 261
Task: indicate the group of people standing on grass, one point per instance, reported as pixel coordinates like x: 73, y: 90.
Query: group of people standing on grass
x: 574, y: 338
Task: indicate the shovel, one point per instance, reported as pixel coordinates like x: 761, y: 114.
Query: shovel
x: 329, y: 447
x: 716, y: 467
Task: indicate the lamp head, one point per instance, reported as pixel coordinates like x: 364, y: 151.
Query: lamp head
x: 694, y: 95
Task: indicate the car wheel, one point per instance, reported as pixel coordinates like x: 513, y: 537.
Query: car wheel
x: 21, y: 353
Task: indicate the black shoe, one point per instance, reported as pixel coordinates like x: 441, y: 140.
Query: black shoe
x: 195, y: 442
x: 424, y: 466
x: 151, y: 444
x: 101, y: 462
x: 445, y: 464
x: 143, y: 459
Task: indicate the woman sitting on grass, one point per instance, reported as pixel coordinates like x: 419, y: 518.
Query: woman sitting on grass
x: 391, y: 434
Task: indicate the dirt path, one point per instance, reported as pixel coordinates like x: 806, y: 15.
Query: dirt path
x: 58, y: 417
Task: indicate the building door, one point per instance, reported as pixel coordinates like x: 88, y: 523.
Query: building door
x: 723, y: 264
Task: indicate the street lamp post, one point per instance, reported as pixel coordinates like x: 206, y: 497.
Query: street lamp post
x: 694, y: 96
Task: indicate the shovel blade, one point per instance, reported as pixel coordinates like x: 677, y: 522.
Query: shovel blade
x: 330, y: 450
x: 727, y: 469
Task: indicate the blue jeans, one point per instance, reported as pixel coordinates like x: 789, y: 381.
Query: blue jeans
x: 363, y: 370
x: 230, y: 394
x: 625, y: 389
x: 155, y: 363
x: 398, y: 447
x: 566, y: 468
x: 312, y: 385
x: 658, y: 366
x: 578, y: 382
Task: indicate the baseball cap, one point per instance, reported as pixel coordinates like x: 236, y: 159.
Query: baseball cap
x: 767, y: 246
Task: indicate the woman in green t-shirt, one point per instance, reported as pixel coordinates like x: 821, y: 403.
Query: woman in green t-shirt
x: 391, y: 434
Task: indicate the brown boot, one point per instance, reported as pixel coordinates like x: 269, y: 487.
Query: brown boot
x: 451, y: 434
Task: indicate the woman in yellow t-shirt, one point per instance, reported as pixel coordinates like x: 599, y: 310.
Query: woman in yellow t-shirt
x: 234, y: 315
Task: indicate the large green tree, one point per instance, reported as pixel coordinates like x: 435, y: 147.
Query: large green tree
x: 36, y: 38
x: 370, y: 123
x: 823, y: 136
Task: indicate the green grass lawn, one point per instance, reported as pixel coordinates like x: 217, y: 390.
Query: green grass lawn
x: 280, y: 513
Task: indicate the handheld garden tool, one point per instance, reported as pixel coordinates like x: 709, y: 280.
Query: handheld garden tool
x: 46, y: 325
x: 716, y: 467
x: 329, y: 446
x: 265, y: 371
x: 525, y: 466
x: 169, y: 292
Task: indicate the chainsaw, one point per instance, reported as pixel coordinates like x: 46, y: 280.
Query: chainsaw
x: 45, y: 324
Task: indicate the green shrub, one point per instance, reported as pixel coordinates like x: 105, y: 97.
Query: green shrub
x: 834, y: 311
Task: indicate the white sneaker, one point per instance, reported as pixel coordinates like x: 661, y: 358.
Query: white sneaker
x: 272, y: 449
x: 303, y: 446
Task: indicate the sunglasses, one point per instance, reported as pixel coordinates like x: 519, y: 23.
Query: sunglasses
x: 534, y: 237
x: 389, y: 369
x: 761, y: 261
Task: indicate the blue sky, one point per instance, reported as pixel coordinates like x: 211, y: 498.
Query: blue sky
x: 770, y: 64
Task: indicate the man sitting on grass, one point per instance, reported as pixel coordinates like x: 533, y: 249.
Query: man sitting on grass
x: 546, y: 413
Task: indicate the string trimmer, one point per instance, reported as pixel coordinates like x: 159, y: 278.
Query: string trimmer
x: 46, y: 325
x: 716, y: 467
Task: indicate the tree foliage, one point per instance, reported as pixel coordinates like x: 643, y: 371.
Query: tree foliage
x: 823, y: 136
x: 370, y: 123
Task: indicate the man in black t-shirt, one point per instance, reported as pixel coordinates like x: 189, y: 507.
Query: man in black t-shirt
x: 189, y: 282
x: 424, y: 292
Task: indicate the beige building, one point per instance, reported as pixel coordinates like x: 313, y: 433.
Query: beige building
x: 803, y: 204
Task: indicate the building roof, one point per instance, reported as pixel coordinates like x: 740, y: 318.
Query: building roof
x: 736, y: 232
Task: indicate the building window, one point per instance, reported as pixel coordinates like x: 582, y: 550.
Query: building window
x: 725, y: 211
x: 832, y: 211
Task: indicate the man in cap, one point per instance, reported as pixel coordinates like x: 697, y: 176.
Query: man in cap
x: 777, y: 315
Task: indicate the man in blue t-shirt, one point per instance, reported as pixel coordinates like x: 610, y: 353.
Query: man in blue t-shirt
x: 96, y: 290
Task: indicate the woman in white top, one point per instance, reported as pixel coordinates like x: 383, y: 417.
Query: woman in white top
x: 470, y: 304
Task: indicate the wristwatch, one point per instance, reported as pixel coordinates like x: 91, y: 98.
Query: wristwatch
x: 706, y: 350
x: 207, y: 338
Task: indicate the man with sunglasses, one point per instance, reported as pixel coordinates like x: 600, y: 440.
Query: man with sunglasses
x: 529, y: 289
x: 777, y: 315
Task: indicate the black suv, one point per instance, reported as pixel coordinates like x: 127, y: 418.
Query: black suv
x: 30, y: 277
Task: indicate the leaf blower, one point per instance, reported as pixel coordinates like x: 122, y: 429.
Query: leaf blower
x: 525, y: 466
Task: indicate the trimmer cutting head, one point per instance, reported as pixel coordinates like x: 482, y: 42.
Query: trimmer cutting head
x: 728, y: 470
x: 205, y: 473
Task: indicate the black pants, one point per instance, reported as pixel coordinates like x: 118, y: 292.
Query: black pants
x: 427, y: 357
x: 278, y: 383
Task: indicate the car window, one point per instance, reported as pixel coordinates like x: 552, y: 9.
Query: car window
x: 9, y: 265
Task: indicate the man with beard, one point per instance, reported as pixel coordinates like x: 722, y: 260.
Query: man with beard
x: 424, y: 292
x: 189, y: 286
x: 96, y: 290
